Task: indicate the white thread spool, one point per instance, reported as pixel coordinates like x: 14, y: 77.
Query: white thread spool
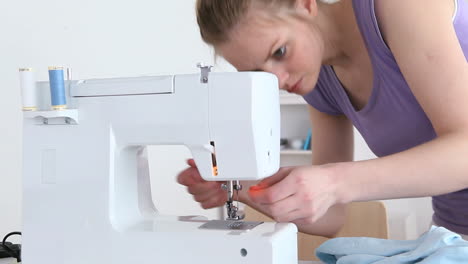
x: 28, y: 89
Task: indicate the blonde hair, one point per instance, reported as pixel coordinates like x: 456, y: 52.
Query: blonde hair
x: 216, y: 18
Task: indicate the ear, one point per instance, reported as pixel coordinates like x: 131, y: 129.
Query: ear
x: 307, y: 7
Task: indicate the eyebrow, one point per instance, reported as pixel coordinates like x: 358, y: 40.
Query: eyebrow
x: 270, y: 52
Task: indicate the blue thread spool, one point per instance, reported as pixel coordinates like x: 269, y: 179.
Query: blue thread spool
x: 57, y: 88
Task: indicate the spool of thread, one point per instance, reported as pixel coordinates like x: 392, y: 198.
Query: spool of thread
x: 57, y: 88
x: 28, y: 89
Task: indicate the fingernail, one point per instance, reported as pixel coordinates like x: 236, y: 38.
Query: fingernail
x: 255, y: 187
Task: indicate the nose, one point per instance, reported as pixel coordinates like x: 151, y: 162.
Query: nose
x: 282, y: 75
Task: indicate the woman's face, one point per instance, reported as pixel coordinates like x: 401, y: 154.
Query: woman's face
x: 290, y: 48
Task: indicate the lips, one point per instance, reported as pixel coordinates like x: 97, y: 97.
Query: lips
x: 295, y: 87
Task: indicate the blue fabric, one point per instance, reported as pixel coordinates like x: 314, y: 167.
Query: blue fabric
x: 438, y: 245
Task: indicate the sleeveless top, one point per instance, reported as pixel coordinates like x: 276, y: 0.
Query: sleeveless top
x: 392, y: 120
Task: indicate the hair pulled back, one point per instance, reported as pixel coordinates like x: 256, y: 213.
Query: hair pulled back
x: 216, y: 18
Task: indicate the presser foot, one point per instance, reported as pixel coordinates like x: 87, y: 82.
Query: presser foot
x: 233, y: 212
x: 232, y: 187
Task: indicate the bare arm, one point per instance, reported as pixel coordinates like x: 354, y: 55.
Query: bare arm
x: 332, y: 141
x: 427, y: 50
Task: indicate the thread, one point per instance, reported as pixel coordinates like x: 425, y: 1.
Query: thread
x: 57, y: 88
x: 28, y: 89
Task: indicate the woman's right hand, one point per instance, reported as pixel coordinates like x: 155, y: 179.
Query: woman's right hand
x: 208, y: 193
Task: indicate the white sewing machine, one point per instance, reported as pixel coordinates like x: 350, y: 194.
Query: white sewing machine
x: 88, y: 200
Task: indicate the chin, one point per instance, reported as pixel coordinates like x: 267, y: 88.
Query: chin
x: 307, y: 86
x: 303, y: 90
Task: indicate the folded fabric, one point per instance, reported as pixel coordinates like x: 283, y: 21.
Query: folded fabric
x: 438, y: 245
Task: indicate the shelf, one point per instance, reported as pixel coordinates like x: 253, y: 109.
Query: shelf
x: 291, y: 99
x: 295, y: 152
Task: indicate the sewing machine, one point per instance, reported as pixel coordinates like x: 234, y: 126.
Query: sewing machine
x: 87, y: 196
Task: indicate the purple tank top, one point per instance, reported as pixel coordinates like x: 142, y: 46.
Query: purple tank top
x: 392, y: 121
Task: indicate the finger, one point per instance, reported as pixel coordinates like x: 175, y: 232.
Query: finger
x: 205, y: 187
x: 305, y: 220
x: 211, y: 203
x: 283, y: 172
x: 277, y: 192
x: 290, y: 217
x: 191, y: 163
x: 203, y: 197
x: 185, y: 177
x: 282, y: 208
x: 309, y: 214
x: 189, y: 176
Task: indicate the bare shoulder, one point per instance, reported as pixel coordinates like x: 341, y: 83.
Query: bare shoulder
x: 394, y: 13
x: 422, y: 38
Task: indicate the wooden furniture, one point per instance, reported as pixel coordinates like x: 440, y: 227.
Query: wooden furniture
x: 368, y: 219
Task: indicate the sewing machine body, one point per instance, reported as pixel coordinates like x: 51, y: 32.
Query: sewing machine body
x: 87, y: 196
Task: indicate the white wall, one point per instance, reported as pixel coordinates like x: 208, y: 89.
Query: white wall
x: 105, y: 38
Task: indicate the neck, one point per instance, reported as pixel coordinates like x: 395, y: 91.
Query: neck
x: 340, y: 31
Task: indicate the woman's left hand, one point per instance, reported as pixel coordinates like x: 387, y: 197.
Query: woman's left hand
x: 297, y: 194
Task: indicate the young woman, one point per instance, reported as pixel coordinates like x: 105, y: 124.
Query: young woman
x: 397, y: 70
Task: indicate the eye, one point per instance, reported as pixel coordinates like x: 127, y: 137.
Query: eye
x: 280, y: 53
